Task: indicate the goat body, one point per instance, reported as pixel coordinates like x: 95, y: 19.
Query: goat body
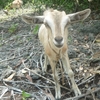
x: 53, y: 35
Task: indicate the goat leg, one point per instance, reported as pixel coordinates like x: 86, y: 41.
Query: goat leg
x: 68, y: 70
x: 55, y: 77
x: 44, y: 68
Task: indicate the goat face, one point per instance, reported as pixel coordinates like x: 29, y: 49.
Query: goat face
x: 56, y: 23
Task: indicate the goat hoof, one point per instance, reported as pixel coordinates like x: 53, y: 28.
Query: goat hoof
x: 43, y: 73
x: 58, y: 98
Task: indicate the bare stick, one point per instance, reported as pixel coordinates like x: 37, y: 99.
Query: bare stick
x: 77, y: 97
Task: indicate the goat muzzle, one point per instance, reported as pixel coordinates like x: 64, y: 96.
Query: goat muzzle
x: 58, y: 41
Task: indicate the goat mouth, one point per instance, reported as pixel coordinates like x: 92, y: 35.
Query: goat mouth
x: 59, y: 45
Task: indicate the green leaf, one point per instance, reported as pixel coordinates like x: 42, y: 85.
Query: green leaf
x: 25, y: 95
x: 12, y: 28
x: 35, y: 31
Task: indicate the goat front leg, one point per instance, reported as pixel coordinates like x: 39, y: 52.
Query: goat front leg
x: 68, y: 70
x: 55, y: 77
x: 44, y: 68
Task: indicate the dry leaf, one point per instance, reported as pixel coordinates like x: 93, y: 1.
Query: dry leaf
x: 10, y: 77
x: 28, y: 77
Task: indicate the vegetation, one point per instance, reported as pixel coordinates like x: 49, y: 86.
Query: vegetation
x: 35, y: 30
x: 68, y: 5
x: 25, y: 95
x: 12, y: 28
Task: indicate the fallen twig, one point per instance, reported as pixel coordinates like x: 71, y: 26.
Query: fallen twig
x: 77, y: 97
x: 88, y: 79
x: 28, y: 83
x: 4, y: 90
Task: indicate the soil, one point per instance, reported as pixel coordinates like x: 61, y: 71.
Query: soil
x: 21, y: 60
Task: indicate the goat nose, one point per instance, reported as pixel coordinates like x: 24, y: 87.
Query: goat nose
x: 58, y: 39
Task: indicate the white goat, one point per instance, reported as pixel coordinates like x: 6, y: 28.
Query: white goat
x: 53, y: 35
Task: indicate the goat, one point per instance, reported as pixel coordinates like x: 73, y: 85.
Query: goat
x: 16, y: 3
x: 53, y: 35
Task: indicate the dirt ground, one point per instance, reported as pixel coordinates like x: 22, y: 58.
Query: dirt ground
x: 21, y: 59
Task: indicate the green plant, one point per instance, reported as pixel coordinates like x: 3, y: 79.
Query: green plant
x: 25, y: 95
x: 7, y: 6
x: 13, y: 28
x: 35, y: 30
x: 66, y: 5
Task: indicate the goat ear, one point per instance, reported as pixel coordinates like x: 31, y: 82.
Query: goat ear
x: 79, y: 16
x: 33, y: 20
